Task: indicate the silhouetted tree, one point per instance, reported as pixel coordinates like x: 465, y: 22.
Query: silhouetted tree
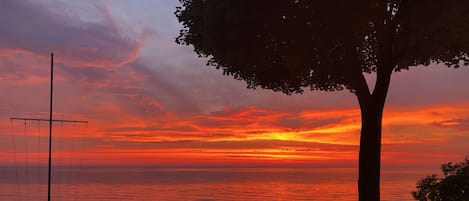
x: 290, y: 45
x: 453, y: 187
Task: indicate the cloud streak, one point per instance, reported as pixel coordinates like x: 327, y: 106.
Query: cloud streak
x: 31, y: 27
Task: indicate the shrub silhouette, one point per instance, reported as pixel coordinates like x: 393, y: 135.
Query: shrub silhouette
x: 454, y: 186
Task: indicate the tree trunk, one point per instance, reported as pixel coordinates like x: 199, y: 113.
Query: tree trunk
x: 369, y: 161
x: 370, y: 151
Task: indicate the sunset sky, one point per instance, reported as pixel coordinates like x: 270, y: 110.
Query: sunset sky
x: 150, y: 101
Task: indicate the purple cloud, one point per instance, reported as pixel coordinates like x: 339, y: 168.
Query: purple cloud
x: 29, y: 26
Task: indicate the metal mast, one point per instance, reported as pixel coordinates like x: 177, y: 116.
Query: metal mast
x: 50, y: 120
x: 50, y: 123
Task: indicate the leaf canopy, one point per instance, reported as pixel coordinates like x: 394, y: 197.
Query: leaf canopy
x: 290, y: 45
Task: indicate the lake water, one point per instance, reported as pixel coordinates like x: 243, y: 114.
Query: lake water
x: 199, y: 184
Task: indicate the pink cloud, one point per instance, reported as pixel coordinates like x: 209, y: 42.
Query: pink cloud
x: 76, y: 43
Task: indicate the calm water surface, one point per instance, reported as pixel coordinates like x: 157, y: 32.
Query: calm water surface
x: 200, y: 184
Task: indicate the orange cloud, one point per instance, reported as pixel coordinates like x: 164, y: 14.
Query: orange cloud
x: 257, y: 135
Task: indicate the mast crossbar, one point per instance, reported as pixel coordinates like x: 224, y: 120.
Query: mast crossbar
x: 56, y: 120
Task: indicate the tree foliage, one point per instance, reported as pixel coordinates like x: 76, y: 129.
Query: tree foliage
x: 454, y: 186
x: 324, y: 45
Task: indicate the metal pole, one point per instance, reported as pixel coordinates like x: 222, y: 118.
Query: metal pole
x: 50, y: 123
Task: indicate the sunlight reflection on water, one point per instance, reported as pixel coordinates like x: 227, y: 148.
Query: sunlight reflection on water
x: 203, y: 184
